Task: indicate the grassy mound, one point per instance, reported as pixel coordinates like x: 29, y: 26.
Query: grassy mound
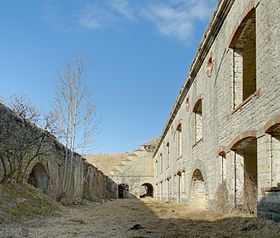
x: 22, y: 202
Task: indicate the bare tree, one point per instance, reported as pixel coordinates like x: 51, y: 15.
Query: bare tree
x: 76, y: 114
x: 24, y: 108
x: 22, y: 141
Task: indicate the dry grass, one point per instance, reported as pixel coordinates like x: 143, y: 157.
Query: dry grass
x: 154, y: 219
x: 22, y: 202
x: 250, y: 194
x: 221, y: 199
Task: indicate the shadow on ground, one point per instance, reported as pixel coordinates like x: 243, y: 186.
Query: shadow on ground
x: 141, y: 218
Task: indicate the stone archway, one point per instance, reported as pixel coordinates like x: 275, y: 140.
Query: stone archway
x: 39, y: 178
x: 199, y: 198
x: 246, y: 171
x: 123, y: 191
x: 147, y: 190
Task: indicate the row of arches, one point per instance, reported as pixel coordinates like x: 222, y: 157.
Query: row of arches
x: 146, y: 190
x: 246, y: 151
x: 175, y: 189
x: 39, y: 178
x: 255, y: 158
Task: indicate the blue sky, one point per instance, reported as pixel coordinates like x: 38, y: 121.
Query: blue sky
x: 137, y: 56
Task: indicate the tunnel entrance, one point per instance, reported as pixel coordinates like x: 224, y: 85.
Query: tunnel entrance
x: 123, y: 191
x: 39, y: 178
x: 147, y: 190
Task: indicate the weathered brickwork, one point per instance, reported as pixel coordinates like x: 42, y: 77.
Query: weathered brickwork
x: 240, y: 105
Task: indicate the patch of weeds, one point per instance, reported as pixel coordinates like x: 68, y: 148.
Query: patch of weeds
x: 22, y: 202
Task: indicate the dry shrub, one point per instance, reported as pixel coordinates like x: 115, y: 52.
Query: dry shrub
x: 221, y: 199
x: 250, y: 194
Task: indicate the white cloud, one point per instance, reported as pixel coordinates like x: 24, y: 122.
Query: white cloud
x: 172, y: 18
x: 97, y: 18
x: 169, y: 21
x: 122, y: 7
x: 106, y: 15
x: 177, y: 18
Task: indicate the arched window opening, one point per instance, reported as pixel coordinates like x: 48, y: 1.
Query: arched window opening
x: 198, y: 120
x: 209, y: 66
x: 187, y: 103
x: 244, y: 59
x: 157, y: 168
x: 168, y: 155
x: 179, y: 140
x: 222, y: 162
x: 161, y: 163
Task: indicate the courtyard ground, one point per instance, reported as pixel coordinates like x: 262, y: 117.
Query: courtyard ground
x: 140, y: 218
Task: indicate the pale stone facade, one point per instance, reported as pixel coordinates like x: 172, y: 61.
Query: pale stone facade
x: 224, y: 126
x: 131, y: 174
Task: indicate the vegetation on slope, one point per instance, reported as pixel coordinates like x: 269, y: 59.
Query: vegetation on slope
x: 22, y: 202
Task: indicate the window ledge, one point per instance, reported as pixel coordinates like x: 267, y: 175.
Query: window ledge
x: 256, y: 94
x: 198, y: 142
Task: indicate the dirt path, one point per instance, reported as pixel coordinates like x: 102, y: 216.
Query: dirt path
x: 140, y: 218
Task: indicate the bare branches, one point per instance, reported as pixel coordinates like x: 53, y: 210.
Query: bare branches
x: 24, y: 108
x: 74, y: 109
x: 22, y: 141
x: 75, y: 113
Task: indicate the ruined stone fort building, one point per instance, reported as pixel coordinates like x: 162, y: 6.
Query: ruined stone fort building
x: 225, y: 124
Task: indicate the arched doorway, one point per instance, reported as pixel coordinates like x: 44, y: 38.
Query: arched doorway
x: 123, y: 191
x: 39, y: 178
x: 199, y: 197
x: 147, y: 190
x: 246, y: 172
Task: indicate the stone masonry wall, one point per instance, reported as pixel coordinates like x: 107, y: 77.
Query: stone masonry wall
x: 133, y: 169
x: 46, y: 170
x: 226, y: 127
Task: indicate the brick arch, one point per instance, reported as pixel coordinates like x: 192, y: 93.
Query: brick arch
x: 241, y: 137
x: 200, y: 165
x: 199, y: 192
x: 197, y: 103
x: 241, y: 24
x: 178, y: 124
x: 272, y: 124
